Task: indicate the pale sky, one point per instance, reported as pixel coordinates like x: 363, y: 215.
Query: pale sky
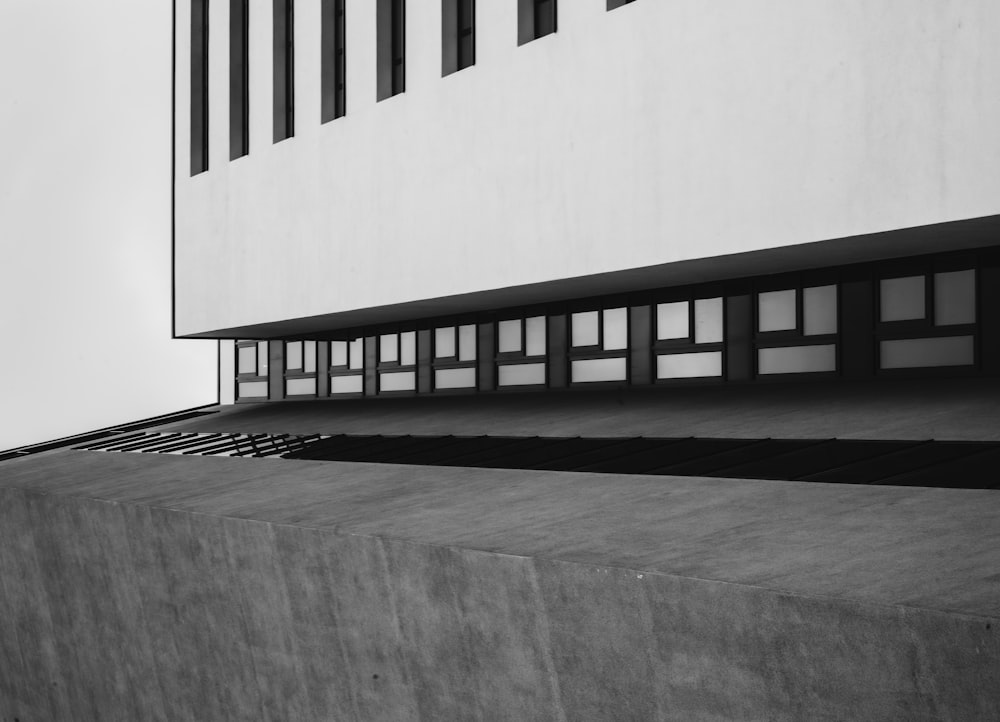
x: 85, y: 221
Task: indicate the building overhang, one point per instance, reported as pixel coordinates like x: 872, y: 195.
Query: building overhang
x: 959, y: 235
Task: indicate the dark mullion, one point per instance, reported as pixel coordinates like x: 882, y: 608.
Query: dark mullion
x: 239, y: 79
x: 284, y: 70
x: 199, y: 86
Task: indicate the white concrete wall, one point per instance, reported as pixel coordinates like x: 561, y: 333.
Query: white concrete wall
x: 658, y: 132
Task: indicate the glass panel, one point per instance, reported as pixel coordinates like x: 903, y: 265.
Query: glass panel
x: 454, y: 378
x: 598, y: 369
x: 615, y: 329
x: 253, y: 389
x: 584, y: 328
x: 397, y: 381
x: 408, y: 348
x: 262, y: 358
x: 309, y: 351
x: 444, y: 342
x: 672, y: 320
x: 509, y: 336
x: 689, y: 365
x: 347, y: 384
x: 300, y: 387
x: 819, y: 310
x: 388, y: 347
x: 954, y: 298
x: 923, y: 352
x: 338, y: 353
x: 535, y: 336
x: 357, y: 353
x: 797, y: 359
x: 521, y: 374
x: 708, y: 320
x: 247, y: 359
x: 776, y: 311
x: 467, y: 343
x: 902, y: 299
x: 293, y: 356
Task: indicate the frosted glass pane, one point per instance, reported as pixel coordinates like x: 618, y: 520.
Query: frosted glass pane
x: 347, y: 384
x: 397, y: 381
x: 338, y: 353
x: 253, y: 389
x: 408, y: 348
x: 902, y: 299
x: 357, y: 353
x: 247, y: 359
x: 584, y: 328
x: 535, y: 336
x: 521, y: 374
x: 615, y: 329
x: 293, y: 355
x: 598, y: 369
x: 776, y: 311
x: 797, y: 359
x: 262, y: 358
x: 689, y: 365
x: 454, y: 378
x: 509, y: 336
x: 467, y: 343
x: 923, y: 352
x: 388, y: 347
x: 444, y: 342
x: 309, y: 352
x: 300, y: 387
x: 819, y: 310
x: 954, y: 298
x: 708, y: 320
x: 672, y: 320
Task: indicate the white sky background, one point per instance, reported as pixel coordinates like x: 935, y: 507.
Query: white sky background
x: 85, y: 221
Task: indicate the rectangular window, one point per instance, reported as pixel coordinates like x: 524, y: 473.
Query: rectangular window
x: 239, y: 78
x: 347, y: 367
x: 688, y: 339
x: 520, y: 343
x: 390, y: 19
x: 284, y: 69
x: 300, y: 368
x: 251, y: 370
x: 927, y: 352
x: 334, y: 65
x: 199, y: 86
x: 535, y: 19
x: 458, y: 35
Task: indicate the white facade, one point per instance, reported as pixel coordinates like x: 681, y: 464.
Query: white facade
x: 656, y: 133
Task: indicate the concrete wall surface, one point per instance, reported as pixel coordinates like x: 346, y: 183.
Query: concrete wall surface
x: 149, y: 610
x: 656, y: 133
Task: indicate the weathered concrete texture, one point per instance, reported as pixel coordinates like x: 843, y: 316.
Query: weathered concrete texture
x: 955, y: 409
x: 127, y: 612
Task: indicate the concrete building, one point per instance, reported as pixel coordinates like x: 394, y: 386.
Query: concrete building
x: 626, y: 360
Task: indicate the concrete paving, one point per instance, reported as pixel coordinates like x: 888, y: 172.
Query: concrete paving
x: 160, y: 587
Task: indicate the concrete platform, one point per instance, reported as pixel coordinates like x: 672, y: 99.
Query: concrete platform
x: 944, y: 409
x: 160, y: 587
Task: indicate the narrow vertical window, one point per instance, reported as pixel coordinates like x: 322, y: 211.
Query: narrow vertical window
x: 458, y: 35
x: 334, y: 64
x: 391, y: 40
x: 284, y: 69
x: 199, y: 86
x: 239, y: 78
x: 535, y: 19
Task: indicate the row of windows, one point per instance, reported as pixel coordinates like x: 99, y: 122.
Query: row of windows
x: 536, y: 19
x: 921, y: 320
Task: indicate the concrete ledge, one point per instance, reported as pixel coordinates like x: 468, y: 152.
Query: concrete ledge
x: 125, y: 611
